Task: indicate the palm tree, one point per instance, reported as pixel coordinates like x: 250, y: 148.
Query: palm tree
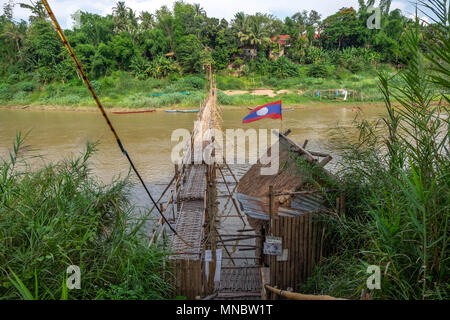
x: 166, y: 24
x: 258, y: 30
x: 14, y: 35
x: 120, y: 16
x: 146, y: 19
x: 37, y: 9
x: 252, y: 30
x: 385, y: 6
x: 131, y: 21
x: 240, y: 24
x: 199, y: 11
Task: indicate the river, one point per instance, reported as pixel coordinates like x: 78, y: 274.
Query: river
x: 147, y: 137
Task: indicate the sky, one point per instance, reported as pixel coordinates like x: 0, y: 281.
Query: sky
x: 214, y: 8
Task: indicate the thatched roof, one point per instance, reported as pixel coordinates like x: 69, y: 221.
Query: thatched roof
x: 288, y: 180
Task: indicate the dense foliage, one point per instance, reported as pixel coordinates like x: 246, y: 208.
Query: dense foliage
x: 62, y: 215
x: 396, y: 180
x: 182, y: 39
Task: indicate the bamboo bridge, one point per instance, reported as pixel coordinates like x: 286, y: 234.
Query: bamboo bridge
x: 193, y: 205
x: 193, y: 212
x: 212, y: 260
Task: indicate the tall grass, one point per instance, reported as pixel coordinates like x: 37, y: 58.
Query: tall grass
x: 61, y: 215
x: 397, y: 181
x: 126, y: 91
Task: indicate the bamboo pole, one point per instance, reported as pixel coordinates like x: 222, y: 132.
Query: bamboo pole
x: 161, y: 219
x: 325, y: 161
x: 229, y: 169
x: 299, y: 296
x: 225, y: 247
x: 271, y: 208
x: 300, y: 149
x: 164, y: 192
x: 231, y: 196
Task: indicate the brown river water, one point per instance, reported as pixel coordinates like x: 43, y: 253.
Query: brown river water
x: 147, y: 137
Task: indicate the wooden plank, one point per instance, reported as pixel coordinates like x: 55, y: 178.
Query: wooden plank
x: 310, y: 243
x: 313, y: 246
x: 287, y: 223
x: 282, y: 263
x: 292, y: 255
x: 300, y: 247
x: 305, y: 246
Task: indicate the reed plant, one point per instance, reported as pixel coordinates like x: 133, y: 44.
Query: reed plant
x: 396, y: 178
x: 61, y: 215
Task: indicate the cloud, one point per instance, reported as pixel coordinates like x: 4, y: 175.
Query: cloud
x: 214, y: 8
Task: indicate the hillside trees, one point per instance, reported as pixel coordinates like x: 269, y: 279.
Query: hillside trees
x: 184, y: 36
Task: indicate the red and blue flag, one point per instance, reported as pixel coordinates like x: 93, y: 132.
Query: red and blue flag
x: 270, y: 110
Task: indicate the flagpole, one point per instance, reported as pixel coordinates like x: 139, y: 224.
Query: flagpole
x: 281, y: 122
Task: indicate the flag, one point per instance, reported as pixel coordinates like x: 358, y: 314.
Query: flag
x: 270, y: 110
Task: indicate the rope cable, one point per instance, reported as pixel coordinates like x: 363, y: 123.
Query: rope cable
x: 105, y: 116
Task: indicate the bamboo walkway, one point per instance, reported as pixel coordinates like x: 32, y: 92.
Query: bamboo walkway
x: 242, y: 282
x: 195, y: 200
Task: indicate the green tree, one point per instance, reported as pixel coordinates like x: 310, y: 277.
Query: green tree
x: 123, y: 49
x: 341, y: 29
x: 37, y: 9
x: 189, y: 52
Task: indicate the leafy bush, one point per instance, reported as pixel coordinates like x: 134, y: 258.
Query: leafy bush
x: 283, y: 68
x: 26, y: 86
x: 230, y: 83
x: 61, y: 215
x: 238, y: 62
x: 5, y: 92
x: 318, y: 71
x: 96, y: 85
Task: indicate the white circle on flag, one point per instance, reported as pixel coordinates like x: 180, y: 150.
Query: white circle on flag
x: 262, y: 111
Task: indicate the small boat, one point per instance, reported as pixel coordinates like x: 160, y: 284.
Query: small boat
x: 182, y: 111
x: 128, y: 112
x: 284, y: 109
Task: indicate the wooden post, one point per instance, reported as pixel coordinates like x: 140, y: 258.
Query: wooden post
x: 342, y: 203
x: 305, y: 143
x: 338, y: 206
x: 271, y: 208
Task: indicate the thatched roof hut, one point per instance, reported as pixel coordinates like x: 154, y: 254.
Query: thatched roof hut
x: 291, y: 235
x: 297, y: 186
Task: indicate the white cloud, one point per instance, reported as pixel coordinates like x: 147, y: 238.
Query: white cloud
x: 214, y: 8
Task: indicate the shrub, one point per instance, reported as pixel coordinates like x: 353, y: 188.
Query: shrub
x: 238, y: 62
x: 26, y: 86
x: 61, y: 215
x: 5, y: 92
x: 318, y: 71
x: 230, y: 83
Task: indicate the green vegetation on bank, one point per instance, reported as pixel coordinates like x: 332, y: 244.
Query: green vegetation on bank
x: 124, y: 90
x: 396, y: 179
x: 130, y: 56
x: 61, y: 215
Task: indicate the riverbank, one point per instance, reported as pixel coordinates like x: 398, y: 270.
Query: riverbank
x: 123, y: 90
x: 94, y: 108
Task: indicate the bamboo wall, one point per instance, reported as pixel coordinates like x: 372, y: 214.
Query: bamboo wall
x: 303, y: 236
x: 188, y: 278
